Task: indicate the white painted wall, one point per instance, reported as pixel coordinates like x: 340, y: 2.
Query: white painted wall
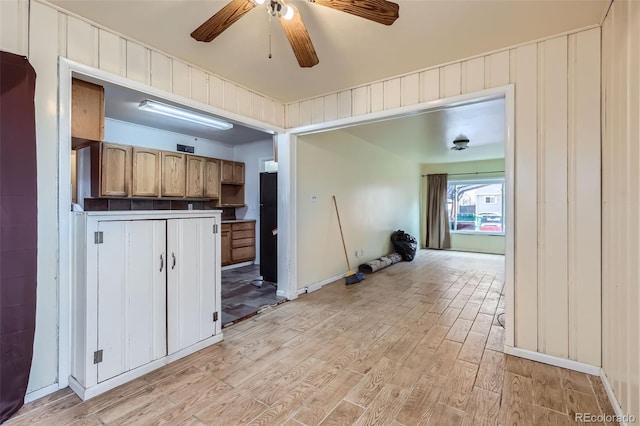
x: 126, y: 133
x: 377, y: 193
x: 557, y: 175
x: 250, y: 154
x: 620, y: 215
x: 14, y: 21
x: 464, y: 242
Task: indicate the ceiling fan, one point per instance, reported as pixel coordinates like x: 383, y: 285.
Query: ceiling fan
x: 381, y: 11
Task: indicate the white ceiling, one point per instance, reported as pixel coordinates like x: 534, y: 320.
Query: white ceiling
x: 351, y: 50
x: 122, y: 104
x: 428, y: 137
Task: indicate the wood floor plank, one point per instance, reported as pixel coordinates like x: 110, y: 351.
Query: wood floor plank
x: 421, y: 401
x: 344, y: 414
x: 601, y: 396
x: 545, y: 417
x: 576, y: 381
x: 370, y: 385
x: 516, y: 407
x: 470, y: 311
x: 384, y: 407
x: 327, y: 397
x: 457, y: 390
x: 445, y: 415
x: 578, y: 402
x: 444, y: 359
x: 483, y: 408
x: 458, y: 332
x: 496, y: 338
x: 472, y: 348
x: 547, y: 391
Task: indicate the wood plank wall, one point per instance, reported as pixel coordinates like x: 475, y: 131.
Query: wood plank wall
x: 557, y: 181
x: 620, y: 216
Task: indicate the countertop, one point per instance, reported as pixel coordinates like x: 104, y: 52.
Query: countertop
x: 238, y: 221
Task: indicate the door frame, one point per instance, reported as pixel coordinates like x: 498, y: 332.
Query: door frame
x: 287, y: 149
x: 66, y: 70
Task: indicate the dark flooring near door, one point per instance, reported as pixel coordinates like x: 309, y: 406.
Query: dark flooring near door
x: 242, y: 299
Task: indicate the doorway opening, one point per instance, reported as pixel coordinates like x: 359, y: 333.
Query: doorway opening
x: 247, y: 289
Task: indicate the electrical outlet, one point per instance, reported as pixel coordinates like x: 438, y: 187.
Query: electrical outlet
x: 361, y: 252
x: 356, y: 253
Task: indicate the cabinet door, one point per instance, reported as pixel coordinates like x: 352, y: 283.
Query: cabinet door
x: 191, y: 285
x: 87, y: 110
x: 195, y: 176
x: 238, y: 173
x: 211, y: 178
x: 225, y: 245
x: 145, y: 180
x: 131, y: 295
x: 115, y: 170
x: 173, y: 174
x: 227, y: 171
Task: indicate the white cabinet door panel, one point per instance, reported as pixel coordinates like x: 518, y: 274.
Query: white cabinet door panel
x: 112, y: 256
x: 146, y: 288
x: 191, y: 281
x: 131, y: 295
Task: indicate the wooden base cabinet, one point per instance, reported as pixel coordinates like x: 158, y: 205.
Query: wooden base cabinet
x: 145, y: 292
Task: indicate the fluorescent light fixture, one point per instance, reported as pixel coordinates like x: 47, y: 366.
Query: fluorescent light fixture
x: 181, y: 114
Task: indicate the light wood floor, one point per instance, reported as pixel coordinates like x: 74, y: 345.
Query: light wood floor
x: 415, y: 343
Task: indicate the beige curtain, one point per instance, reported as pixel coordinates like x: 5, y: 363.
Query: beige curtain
x: 437, y: 214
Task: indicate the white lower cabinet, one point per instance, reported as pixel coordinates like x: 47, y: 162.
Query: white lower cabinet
x: 190, y: 306
x: 146, y: 291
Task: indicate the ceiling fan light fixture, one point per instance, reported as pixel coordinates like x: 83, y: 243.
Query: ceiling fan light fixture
x: 182, y: 114
x: 460, y: 143
x: 287, y: 12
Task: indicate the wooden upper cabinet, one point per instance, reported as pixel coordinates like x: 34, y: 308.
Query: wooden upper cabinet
x: 145, y: 181
x: 87, y: 110
x: 195, y: 176
x: 238, y: 173
x: 111, y: 170
x: 232, y: 172
x: 227, y: 171
x: 173, y: 174
x: 211, y: 178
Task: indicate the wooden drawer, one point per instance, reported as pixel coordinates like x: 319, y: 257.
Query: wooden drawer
x: 226, y: 227
x: 243, y: 253
x: 243, y: 234
x: 243, y: 226
x: 242, y: 242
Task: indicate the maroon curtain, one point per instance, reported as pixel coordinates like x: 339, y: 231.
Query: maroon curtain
x: 18, y: 229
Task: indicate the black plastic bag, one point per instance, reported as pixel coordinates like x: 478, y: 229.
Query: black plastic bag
x: 404, y: 244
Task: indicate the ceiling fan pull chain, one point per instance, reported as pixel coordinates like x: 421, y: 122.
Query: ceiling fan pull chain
x: 269, y: 36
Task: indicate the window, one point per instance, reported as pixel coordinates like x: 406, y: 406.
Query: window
x: 476, y: 206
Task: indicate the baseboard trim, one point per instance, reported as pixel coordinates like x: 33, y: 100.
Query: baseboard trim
x: 317, y: 286
x: 553, y: 360
x: 237, y: 265
x: 37, y: 394
x: 622, y: 416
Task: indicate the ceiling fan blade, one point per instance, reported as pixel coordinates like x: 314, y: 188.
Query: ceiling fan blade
x: 299, y: 39
x: 222, y: 20
x: 381, y: 11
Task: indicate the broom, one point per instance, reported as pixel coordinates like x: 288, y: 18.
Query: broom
x: 351, y: 277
